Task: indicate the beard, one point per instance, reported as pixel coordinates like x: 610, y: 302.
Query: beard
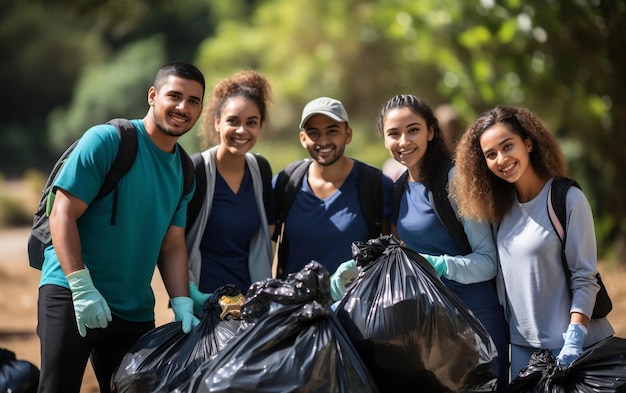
x: 160, y: 125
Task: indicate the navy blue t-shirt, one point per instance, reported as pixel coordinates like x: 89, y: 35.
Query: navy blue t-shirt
x: 232, y: 223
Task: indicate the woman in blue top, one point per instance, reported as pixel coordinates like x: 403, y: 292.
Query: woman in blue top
x: 507, y: 161
x: 229, y: 242
x: 413, y: 137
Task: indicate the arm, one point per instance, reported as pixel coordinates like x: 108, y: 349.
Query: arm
x: 64, y: 230
x: 581, y: 255
x: 175, y: 274
x: 173, y: 262
x: 481, y: 264
x: 90, y: 308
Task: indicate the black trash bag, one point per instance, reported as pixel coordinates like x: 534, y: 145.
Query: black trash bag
x: 600, y: 368
x: 292, y: 343
x: 17, y: 376
x: 166, y: 357
x: 409, y: 328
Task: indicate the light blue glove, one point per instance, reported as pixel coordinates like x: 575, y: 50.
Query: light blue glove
x: 90, y: 308
x: 345, y: 273
x: 572, y: 349
x: 199, y: 298
x: 183, y: 312
x: 438, y: 263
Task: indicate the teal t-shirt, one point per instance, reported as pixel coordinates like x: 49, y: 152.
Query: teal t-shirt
x: 122, y: 257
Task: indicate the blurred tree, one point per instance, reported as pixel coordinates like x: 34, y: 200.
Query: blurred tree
x: 118, y: 88
x: 565, y: 61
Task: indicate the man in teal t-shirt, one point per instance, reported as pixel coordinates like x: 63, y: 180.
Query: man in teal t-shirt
x: 95, y: 295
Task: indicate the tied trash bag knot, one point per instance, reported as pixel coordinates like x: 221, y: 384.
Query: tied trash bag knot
x: 366, y: 252
x: 309, y: 287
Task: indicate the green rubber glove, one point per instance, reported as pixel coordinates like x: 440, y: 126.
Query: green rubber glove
x: 438, y: 263
x: 90, y: 308
x: 345, y: 273
x: 183, y: 312
x: 199, y: 298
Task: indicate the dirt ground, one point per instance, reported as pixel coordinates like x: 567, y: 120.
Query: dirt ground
x: 18, y: 301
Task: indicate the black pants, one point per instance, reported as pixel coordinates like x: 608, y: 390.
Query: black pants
x: 64, y: 353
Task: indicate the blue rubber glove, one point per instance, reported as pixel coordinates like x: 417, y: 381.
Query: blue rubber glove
x: 183, y: 312
x: 572, y: 349
x: 438, y: 263
x: 198, y: 297
x: 345, y: 273
x: 90, y: 308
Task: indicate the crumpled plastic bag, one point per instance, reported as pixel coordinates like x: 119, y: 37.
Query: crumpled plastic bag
x: 409, y: 328
x: 292, y: 342
x: 600, y: 368
x: 166, y: 357
x: 17, y: 376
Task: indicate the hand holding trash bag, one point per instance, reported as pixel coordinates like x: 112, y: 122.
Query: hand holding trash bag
x: 409, y: 328
x: 183, y: 312
x: 573, y: 346
x: 199, y: 298
x: 166, y: 357
x: 438, y: 262
x: 345, y: 273
x: 600, y: 368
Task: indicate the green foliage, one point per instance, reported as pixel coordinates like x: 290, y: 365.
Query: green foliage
x: 562, y: 59
x: 115, y: 89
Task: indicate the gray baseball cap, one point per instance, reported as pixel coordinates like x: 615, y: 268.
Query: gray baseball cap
x: 324, y: 106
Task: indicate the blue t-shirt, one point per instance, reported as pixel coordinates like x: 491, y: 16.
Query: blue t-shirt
x: 225, y: 245
x: 422, y: 231
x: 324, y: 229
x: 121, y: 258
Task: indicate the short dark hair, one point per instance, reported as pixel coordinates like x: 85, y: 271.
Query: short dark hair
x: 179, y: 69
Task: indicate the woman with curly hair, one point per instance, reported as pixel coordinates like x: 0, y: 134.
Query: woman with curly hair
x: 506, y: 162
x: 229, y: 242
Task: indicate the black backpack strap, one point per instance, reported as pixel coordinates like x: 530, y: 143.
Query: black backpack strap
x: 440, y: 201
x: 266, y: 177
x: 398, y: 189
x: 557, y: 208
x: 193, y: 208
x: 438, y: 196
x: 188, y: 170
x: 288, y: 182
x: 370, y: 186
x: 122, y: 163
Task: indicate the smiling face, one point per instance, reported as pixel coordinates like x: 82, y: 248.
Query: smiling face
x: 406, y: 136
x: 507, y: 155
x: 176, y: 105
x: 238, y: 125
x: 325, y: 139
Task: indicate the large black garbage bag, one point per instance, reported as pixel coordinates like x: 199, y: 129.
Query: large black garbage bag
x: 600, y: 368
x: 412, y: 332
x: 17, y: 376
x: 292, y: 343
x: 166, y: 357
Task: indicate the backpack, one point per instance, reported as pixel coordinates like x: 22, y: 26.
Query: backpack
x: 288, y: 183
x: 438, y: 197
x: 40, y: 237
x: 195, y: 204
x: 557, y: 210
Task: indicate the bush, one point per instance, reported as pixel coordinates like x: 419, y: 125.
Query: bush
x: 13, y: 213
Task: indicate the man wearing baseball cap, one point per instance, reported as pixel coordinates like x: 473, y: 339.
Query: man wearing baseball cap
x: 326, y: 202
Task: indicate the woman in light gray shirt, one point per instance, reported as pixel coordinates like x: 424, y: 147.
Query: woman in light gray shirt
x: 506, y: 163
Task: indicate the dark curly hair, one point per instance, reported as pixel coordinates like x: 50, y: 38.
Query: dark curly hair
x: 481, y: 194
x: 250, y: 84
x: 437, y: 150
